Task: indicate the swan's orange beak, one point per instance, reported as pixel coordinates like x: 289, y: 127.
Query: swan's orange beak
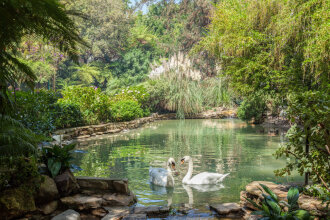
x: 182, y: 161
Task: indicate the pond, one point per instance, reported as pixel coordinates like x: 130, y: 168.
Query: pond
x: 217, y: 145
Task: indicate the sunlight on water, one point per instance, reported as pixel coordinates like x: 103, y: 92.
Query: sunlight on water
x: 222, y: 146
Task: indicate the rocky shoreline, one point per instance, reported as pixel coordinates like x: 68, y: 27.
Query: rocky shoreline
x: 74, y: 198
x: 85, y: 132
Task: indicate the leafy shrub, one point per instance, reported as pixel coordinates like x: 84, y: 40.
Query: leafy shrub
x: 126, y: 110
x: 272, y: 208
x: 35, y: 109
x: 157, y: 90
x: 308, y: 137
x: 19, y: 171
x: 67, y: 115
x: 93, y: 104
x: 253, y: 107
x: 57, y: 158
x: 136, y: 93
x: 40, y: 112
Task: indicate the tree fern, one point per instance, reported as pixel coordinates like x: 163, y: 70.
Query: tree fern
x: 47, y: 19
x: 15, y: 139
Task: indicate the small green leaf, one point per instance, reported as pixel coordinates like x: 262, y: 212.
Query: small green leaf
x: 54, y: 166
x: 275, y: 208
x: 302, y: 215
x: 293, y: 196
x: 267, y: 190
x: 253, y: 203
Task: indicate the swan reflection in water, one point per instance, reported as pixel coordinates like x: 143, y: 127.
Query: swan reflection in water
x: 199, y: 188
x: 160, y: 190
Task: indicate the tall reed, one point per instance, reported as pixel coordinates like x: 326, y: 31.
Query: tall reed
x: 180, y: 88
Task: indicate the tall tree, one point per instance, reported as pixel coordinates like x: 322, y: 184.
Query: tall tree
x: 281, y: 47
x: 106, y: 27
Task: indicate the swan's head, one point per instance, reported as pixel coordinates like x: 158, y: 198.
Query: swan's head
x: 185, y: 159
x: 171, y: 163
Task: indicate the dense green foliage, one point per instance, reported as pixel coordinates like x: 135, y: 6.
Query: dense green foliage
x: 253, y: 108
x: 126, y: 110
x: 40, y: 111
x: 309, y: 136
x: 280, y: 48
x: 272, y: 208
x: 93, y: 104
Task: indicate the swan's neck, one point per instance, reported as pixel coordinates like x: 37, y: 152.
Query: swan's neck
x: 169, y: 169
x: 189, y: 173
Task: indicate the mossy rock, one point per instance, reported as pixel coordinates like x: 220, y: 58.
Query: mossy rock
x: 16, y: 202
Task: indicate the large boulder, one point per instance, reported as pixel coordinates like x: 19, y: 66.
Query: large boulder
x: 67, y: 215
x: 66, y: 183
x: 15, y: 203
x: 47, y: 191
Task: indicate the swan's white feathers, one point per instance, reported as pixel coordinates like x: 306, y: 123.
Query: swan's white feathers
x: 161, y: 176
x: 207, y: 178
x: 201, y: 178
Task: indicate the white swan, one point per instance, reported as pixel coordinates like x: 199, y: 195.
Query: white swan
x: 161, y: 176
x: 201, y: 178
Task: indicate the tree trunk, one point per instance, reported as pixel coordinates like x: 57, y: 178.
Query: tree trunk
x: 307, y: 153
x: 54, y: 81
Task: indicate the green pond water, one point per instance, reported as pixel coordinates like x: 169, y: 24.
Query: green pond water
x: 219, y: 145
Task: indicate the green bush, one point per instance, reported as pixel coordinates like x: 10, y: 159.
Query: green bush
x: 136, y: 93
x: 126, y: 110
x: 40, y: 112
x: 67, y: 115
x: 253, y: 108
x: 35, y: 109
x: 93, y: 104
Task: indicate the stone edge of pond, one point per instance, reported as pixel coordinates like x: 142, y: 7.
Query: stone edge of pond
x: 77, y: 195
x: 109, y: 198
x: 90, y: 131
